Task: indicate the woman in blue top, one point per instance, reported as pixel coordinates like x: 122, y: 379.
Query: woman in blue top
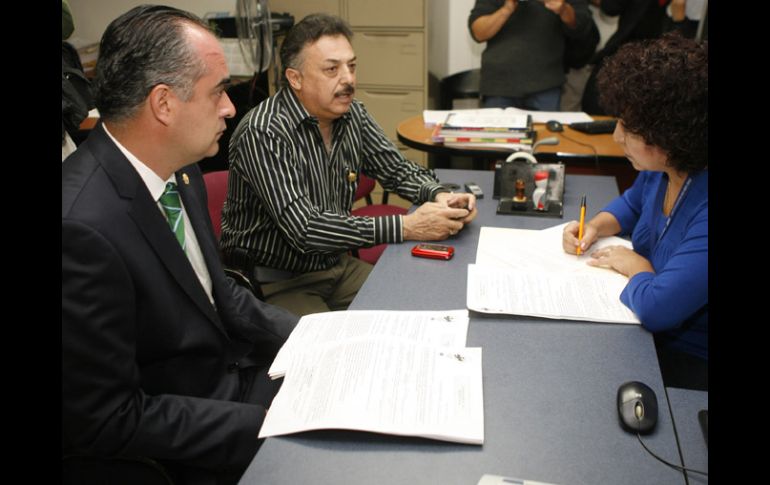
x: 659, y: 91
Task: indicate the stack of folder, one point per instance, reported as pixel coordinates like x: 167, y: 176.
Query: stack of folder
x: 499, y: 130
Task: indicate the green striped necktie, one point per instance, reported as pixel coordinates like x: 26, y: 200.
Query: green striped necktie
x: 172, y: 206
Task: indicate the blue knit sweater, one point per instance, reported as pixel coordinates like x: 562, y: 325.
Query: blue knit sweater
x: 672, y: 301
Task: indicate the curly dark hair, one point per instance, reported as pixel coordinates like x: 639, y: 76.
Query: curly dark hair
x: 659, y: 89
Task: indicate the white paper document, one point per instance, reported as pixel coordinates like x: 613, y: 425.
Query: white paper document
x: 501, y: 480
x: 575, y: 296
x: 440, y: 328
x: 385, y: 386
x: 526, y: 272
x: 565, y: 117
x: 433, y: 117
x: 513, y: 147
x: 496, y: 118
x: 525, y: 249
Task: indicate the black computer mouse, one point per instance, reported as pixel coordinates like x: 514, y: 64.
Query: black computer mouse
x: 637, y: 407
x: 554, y: 125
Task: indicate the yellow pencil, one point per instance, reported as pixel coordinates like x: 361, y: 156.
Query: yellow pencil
x: 582, y: 221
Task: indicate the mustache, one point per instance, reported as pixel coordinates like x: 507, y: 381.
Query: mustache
x: 347, y: 90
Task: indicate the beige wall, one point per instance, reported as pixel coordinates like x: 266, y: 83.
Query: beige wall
x: 92, y: 16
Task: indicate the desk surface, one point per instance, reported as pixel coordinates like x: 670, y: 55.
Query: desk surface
x: 685, y: 405
x: 549, y: 386
x: 412, y: 132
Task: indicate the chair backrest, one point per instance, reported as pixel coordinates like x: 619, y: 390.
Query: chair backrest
x: 463, y: 84
x: 244, y: 96
x: 365, y: 188
x: 216, y: 187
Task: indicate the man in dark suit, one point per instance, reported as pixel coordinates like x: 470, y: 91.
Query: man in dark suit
x: 163, y: 356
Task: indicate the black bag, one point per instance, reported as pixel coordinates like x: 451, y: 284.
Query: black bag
x: 578, y: 52
x: 76, y: 96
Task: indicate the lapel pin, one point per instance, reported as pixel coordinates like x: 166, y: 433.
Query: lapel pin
x: 185, y: 179
x: 351, y: 177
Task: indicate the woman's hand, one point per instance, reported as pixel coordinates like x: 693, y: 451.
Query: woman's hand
x: 622, y: 259
x: 569, y: 238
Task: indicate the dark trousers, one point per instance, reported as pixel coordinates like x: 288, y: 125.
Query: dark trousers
x: 682, y: 370
x: 590, y: 100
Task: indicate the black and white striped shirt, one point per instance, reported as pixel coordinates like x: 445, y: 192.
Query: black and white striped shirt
x: 288, y: 202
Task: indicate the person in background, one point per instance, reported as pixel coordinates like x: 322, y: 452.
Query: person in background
x: 164, y: 358
x: 637, y: 20
x: 663, y: 129
x: 685, y: 16
x: 294, y: 166
x: 523, y: 63
x: 67, y: 27
x: 67, y: 24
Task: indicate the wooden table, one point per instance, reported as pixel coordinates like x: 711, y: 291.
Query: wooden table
x: 578, y: 158
x: 413, y: 133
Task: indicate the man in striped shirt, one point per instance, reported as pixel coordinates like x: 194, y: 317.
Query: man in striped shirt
x: 294, y: 165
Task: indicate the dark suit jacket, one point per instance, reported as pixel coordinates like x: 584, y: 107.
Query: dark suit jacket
x: 149, y: 366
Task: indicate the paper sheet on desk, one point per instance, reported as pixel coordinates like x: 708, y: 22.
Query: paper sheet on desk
x: 385, y: 386
x: 526, y: 272
x: 536, y: 250
x: 543, y: 294
x: 564, y: 117
x: 441, y: 328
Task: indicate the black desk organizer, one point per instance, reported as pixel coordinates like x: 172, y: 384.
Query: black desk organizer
x: 506, y: 174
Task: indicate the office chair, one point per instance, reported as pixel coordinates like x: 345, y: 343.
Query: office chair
x: 364, y: 190
x: 365, y: 187
x: 216, y: 188
x: 244, y: 96
x: 463, y: 84
x: 460, y: 85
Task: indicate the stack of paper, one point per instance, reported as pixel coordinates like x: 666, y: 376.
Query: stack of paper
x: 432, y: 117
x: 525, y: 272
x: 493, y: 127
x: 403, y: 373
x: 443, y: 329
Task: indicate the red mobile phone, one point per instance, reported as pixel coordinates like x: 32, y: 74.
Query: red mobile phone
x: 434, y: 251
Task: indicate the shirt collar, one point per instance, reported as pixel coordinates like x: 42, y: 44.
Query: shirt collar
x: 154, y: 184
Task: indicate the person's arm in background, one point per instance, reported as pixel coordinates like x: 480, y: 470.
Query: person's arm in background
x: 678, y: 9
x: 613, y: 8
x: 575, y: 16
x: 487, y: 26
x: 676, y: 19
x: 564, y: 10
